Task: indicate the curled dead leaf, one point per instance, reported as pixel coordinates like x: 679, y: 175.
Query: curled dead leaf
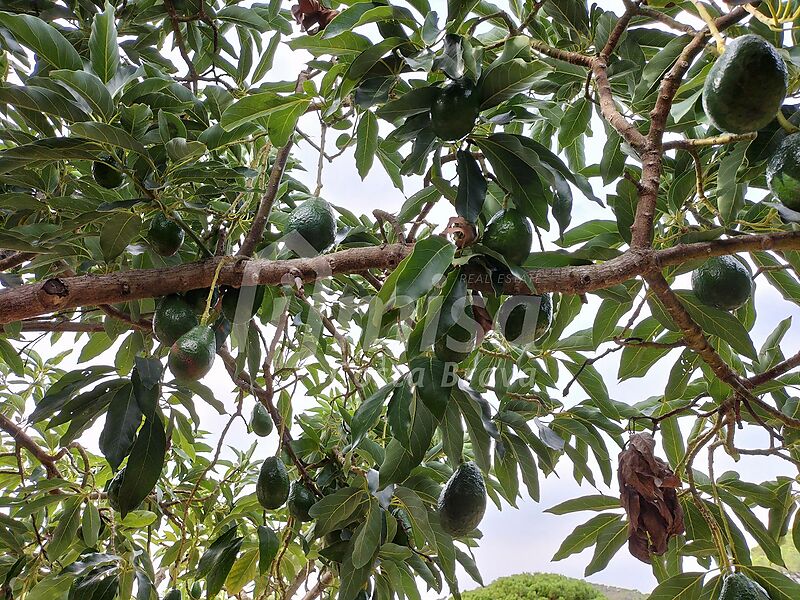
x: 463, y: 232
x: 648, y: 494
x: 310, y: 13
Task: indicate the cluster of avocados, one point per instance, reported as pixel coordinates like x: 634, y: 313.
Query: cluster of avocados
x: 273, y: 490
x: 194, y: 345
x: 743, y: 93
x: 520, y: 319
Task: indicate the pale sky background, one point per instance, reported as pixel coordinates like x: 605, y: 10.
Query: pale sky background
x: 521, y: 540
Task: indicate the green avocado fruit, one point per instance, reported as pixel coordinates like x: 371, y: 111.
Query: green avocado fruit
x: 112, y: 492
x: 746, y: 85
x: 454, y: 110
x: 315, y: 221
x: 197, y: 299
x: 165, y: 235
x: 173, y: 594
x: 196, y: 591
x: 272, y: 487
x: 192, y: 356
x: 512, y: 316
x: 106, y: 175
x: 172, y: 319
x: 509, y: 233
x: 783, y: 172
x: 463, y: 500
x: 722, y: 282
x: 261, y: 422
x: 300, y: 501
x: 232, y: 298
x: 738, y: 586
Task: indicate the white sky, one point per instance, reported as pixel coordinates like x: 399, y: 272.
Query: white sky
x: 514, y: 540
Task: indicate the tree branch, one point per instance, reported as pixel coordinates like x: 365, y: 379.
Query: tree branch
x: 23, y: 440
x: 35, y: 299
x: 14, y: 260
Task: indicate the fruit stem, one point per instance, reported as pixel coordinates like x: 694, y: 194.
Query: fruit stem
x: 785, y: 123
x: 712, y: 27
x: 210, y: 296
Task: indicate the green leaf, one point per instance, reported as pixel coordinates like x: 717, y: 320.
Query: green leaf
x: 368, y: 413
x: 12, y: 358
x: 511, y: 163
x: 144, y: 465
x: 730, y: 194
x: 457, y: 11
x: 411, y: 103
x: 609, y: 541
x: 122, y: 422
x: 596, y: 502
x: 342, y: 45
x: 90, y: 525
x: 264, y: 65
x: 90, y: 88
x: 471, y: 187
x: 117, y: 233
x: 108, y: 134
x: 217, y: 562
x: 418, y: 272
x: 401, y: 457
x: 335, y: 509
x: 574, y: 122
x: 44, y: 39
x: 103, y: 46
x: 417, y: 513
x: 262, y: 104
x: 686, y: 586
x: 713, y: 321
x: 242, y: 572
x: 366, y: 12
x: 268, y: 546
x: 754, y: 526
x: 777, y: 585
x: 367, y: 537
x: 366, y: 143
x: 42, y: 100
x: 584, y: 535
x: 67, y: 528
x: 507, y: 80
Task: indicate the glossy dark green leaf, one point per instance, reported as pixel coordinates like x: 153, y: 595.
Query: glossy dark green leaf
x: 103, y: 45
x: 119, y: 231
x: 122, y: 422
x: 144, y: 465
x: 366, y: 143
x: 268, y: 546
x: 44, y: 39
x: 471, y: 187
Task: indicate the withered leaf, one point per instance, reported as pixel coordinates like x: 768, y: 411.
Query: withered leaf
x: 648, y: 494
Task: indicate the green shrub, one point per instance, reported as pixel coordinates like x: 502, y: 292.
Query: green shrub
x: 537, y: 586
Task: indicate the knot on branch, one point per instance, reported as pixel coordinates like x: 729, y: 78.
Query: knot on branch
x: 52, y: 293
x: 648, y: 495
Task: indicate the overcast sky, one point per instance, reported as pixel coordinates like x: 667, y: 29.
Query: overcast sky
x: 514, y: 540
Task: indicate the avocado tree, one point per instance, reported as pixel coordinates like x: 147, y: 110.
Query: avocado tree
x: 157, y: 232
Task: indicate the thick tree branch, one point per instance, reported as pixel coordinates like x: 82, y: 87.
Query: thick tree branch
x: 35, y: 299
x: 23, y: 440
x: 642, y: 228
